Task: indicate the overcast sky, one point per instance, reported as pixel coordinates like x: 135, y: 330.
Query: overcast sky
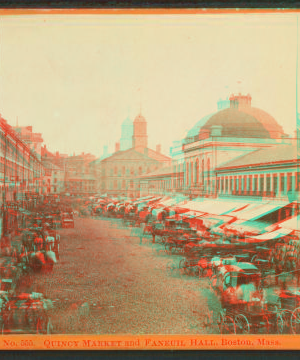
x: 76, y: 78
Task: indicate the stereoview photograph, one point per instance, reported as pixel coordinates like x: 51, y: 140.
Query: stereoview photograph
x: 149, y: 174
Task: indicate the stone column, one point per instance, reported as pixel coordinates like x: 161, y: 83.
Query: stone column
x: 265, y: 184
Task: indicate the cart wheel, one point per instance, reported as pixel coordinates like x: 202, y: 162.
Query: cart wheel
x: 228, y: 326
x: 266, y: 325
x: 163, y: 239
x: 169, y: 249
x: 242, y: 324
x: 182, y: 266
x: 295, y: 321
x: 170, y: 267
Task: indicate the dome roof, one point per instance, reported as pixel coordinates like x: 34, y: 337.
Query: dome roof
x: 196, y: 128
x: 127, y: 121
x: 140, y: 118
x: 247, y: 122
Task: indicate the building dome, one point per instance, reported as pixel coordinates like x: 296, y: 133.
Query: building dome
x: 240, y: 120
x: 140, y: 118
x: 127, y: 121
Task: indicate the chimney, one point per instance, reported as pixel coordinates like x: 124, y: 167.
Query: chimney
x: 117, y: 146
x: 57, y: 154
x: 158, y: 148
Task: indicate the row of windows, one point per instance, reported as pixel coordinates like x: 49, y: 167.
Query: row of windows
x: 122, y: 171
x: 282, y: 182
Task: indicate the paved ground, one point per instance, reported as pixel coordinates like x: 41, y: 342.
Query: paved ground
x: 126, y: 285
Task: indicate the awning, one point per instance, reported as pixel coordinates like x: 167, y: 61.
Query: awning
x: 216, y: 220
x: 293, y: 223
x: 172, y: 201
x: 273, y: 234
x: 244, y: 227
x: 259, y: 211
x: 213, y: 206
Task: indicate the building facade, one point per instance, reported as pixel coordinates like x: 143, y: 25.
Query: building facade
x: 118, y: 174
x: 239, y: 150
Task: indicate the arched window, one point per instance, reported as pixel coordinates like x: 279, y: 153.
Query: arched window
x: 116, y: 170
x: 187, y: 174
x: 202, y: 171
x: 192, y: 173
x: 197, y: 171
x: 208, y: 172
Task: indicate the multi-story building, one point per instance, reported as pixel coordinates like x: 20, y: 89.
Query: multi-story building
x: 70, y: 174
x: 238, y: 150
x: 120, y: 172
x: 33, y: 140
x: 21, y: 174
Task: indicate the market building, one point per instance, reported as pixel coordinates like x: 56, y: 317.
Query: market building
x: 21, y: 176
x: 237, y: 150
x: 120, y: 172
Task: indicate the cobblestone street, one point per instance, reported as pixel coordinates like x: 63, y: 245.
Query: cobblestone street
x: 127, y: 286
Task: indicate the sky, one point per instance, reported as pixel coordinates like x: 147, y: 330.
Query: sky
x: 76, y: 78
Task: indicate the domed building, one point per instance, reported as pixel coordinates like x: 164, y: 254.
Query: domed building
x: 232, y: 132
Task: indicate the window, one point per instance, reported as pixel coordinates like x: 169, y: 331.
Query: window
x: 123, y: 184
x: 197, y: 171
x: 255, y: 183
x: 262, y: 182
x: 289, y: 181
x: 55, y: 181
x: 123, y: 170
x: 282, y: 182
x: 140, y: 170
x: 116, y: 170
x: 268, y: 183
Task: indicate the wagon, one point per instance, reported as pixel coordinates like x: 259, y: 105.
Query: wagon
x: 290, y: 310
x: 26, y: 314
x: 243, y: 308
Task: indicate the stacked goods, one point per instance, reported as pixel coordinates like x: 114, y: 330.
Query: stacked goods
x: 285, y: 256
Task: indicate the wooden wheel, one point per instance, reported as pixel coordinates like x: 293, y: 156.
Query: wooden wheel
x: 285, y: 324
x: 228, y: 325
x: 295, y: 321
x: 169, y: 248
x: 242, y: 324
x: 182, y: 266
